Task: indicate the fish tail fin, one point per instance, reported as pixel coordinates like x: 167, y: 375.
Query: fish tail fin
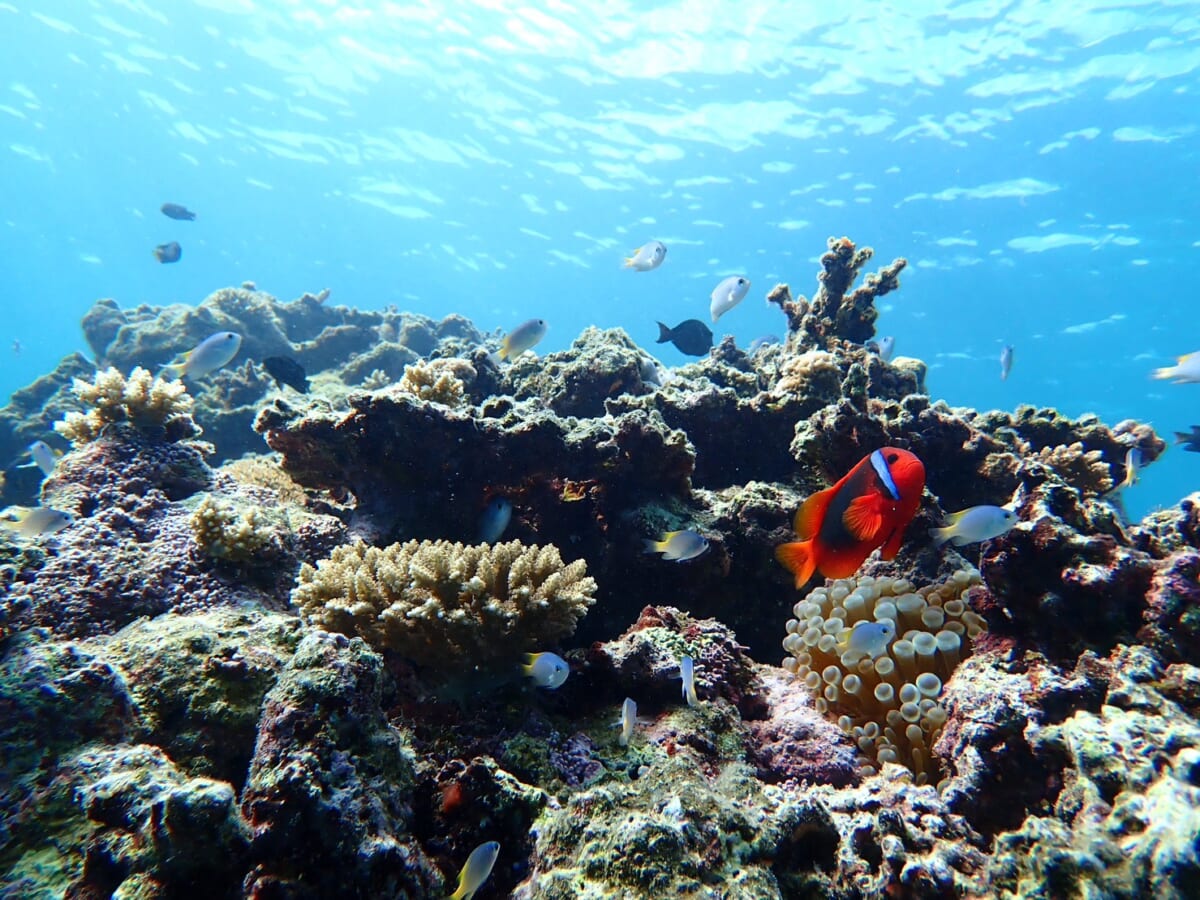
x: 1182, y: 438
x: 527, y: 664
x: 1166, y: 372
x: 628, y: 262
x: 172, y: 371
x: 664, y: 334
x: 496, y: 357
x: 798, y: 558
x: 941, y: 535
x: 652, y: 546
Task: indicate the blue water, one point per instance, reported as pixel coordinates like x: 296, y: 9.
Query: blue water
x: 1035, y: 162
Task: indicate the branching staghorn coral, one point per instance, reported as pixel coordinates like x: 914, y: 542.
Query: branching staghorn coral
x: 437, y: 381
x: 447, y: 605
x: 141, y: 400
x: 888, y: 704
x: 222, y: 533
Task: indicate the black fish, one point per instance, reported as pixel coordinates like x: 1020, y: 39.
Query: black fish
x: 176, y: 211
x: 1191, y: 442
x: 286, y: 370
x: 692, y: 337
x: 168, y: 253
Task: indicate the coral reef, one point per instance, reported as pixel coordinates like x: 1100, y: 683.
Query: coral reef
x: 223, y: 533
x: 888, y: 703
x: 154, y: 406
x: 438, y: 381
x: 445, y: 605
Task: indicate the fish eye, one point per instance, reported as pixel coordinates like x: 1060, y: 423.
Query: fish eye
x: 892, y: 457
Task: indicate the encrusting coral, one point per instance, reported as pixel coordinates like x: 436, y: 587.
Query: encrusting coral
x: 447, y: 605
x: 888, y: 704
x: 141, y: 400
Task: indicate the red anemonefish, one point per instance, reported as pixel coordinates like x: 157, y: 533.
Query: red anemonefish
x: 870, y: 507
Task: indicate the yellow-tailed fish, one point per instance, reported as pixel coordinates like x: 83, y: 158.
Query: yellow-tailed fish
x: 679, y: 546
x: 524, y: 337
x: 548, y: 670
x: 979, y: 523
x: 1133, y: 465
x: 475, y: 870
x: 687, y: 672
x: 627, y: 722
x: 1185, y: 371
x: 647, y: 257
x: 31, y: 522
x: 209, y: 355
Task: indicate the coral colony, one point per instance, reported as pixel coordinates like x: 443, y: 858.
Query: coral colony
x: 262, y: 652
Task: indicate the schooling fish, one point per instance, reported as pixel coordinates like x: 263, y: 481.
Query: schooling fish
x: 44, y: 457
x: 524, y: 337
x: 1191, y: 442
x: 679, y: 546
x: 548, y: 670
x: 168, y: 253
x: 476, y: 870
x: 177, y: 211
x: 494, y: 520
x: 647, y: 257
x: 884, y: 348
x: 286, y: 370
x: 209, y: 355
x: 867, y: 639
x: 691, y: 336
x: 869, y: 508
x: 728, y: 294
x: 1006, y: 361
x: 1185, y: 371
x: 31, y: 522
x: 970, y: 526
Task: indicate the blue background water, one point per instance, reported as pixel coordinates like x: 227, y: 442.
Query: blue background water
x: 1035, y: 162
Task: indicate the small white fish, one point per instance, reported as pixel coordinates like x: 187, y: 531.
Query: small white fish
x: 647, y: 257
x: 548, y: 670
x: 885, y: 347
x: 1006, y: 361
x: 867, y: 639
x: 979, y: 523
x: 678, y: 546
x: 524, y: 337
x: 475, y: 870
x: 1133, y: 465
x: 687, y: 671
x: 627, y: 722
x: 728, y: 294
x: 44, y: 457
x: 1185, y: 371
x: 209, y: 355
x: 494, y: 520
x: 31, y: 522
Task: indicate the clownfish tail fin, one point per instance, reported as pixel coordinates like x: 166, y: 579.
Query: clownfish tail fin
x: 797, y: 557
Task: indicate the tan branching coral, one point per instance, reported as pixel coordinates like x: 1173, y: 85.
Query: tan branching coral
x: 435, y: 381
x: 888, y: 704
x: 222, y: 532
x: 1082, y: 469
x: 812, y: 373
x: 446, y: 605
x: 156, y: 406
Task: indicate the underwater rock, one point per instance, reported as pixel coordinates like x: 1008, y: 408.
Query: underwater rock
x: 1172, y: 614
x: 330, y: 773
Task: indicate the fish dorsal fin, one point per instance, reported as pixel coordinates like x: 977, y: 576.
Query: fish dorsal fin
x: 954, y: 518
x: 863, y: 517
x: 811, y: 513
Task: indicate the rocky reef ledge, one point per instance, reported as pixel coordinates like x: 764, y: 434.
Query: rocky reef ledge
x: 270, y: 656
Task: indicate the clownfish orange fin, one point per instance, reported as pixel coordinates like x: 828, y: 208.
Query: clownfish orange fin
x: 811, y: 513
x: 863, y: 518
x: 797, y: 557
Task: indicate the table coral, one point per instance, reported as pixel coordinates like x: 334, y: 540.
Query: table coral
x: 154, y: 406
x: 889, y: 703
x: 448, y: 605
